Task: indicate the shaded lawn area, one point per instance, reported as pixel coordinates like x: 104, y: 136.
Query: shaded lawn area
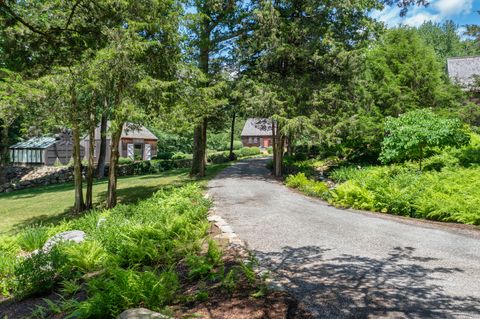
x: 52, y: 203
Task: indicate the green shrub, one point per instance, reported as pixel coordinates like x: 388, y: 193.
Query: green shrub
x: 351, y: 194
x: 440, y: 161
x: 33, y: 238
x: 236, y: 145
x: 296, y: 181
x: 120, y: 289
x: 309, y: 187
x: 39, y: 273
x: 7, y: 270
x: 218, y: 157
x: 204, y: 266
x: 452, y: 194
x: 249, y: 151
x: 125, y: 161
x: 270, y: 150
x: 164, y: 155
x: 178, y: 156
x: 135, y: 249
x: 86, y: 257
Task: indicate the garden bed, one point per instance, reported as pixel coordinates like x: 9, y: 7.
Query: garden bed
x: 157, y: 254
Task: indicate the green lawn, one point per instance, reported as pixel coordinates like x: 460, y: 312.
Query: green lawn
x: 52, y: 203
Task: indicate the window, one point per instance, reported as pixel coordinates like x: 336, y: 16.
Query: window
x: 250, y: 140
x: 255, y: 140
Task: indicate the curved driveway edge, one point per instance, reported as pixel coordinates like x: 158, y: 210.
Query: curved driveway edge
x: 344, y: 264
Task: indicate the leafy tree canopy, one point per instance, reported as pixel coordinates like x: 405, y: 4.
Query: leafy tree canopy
x: 410, y: 134
x: 404, y: 74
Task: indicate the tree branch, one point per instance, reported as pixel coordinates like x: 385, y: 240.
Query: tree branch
x: 72, y: 13
x: 32, y: 28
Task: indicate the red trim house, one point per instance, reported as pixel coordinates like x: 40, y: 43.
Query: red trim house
x: 257, y: 132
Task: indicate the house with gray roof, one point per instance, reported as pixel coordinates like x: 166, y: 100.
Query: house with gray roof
x: 136, y: 142
x: 257, y: 132
x: 465, y: 71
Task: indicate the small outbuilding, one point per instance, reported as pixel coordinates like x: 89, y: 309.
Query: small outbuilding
x: 136, y: 142
x: 257, y: 132
x: 41, y: 151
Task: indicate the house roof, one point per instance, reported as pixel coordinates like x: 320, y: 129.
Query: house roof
x: 463, y: 70
x: 35, y: 142
x: 257, y: 127
x: 130, y: 130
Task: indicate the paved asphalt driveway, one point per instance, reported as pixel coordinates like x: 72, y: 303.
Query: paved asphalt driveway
x: 346, y: 264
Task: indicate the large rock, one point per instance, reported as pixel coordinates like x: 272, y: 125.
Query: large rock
x: 76, y: 236
x: 141, y: 313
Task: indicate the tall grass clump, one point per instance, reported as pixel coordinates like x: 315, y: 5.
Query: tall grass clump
x: 33, y: 238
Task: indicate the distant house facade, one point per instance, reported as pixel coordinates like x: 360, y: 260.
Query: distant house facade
x: 44, y: 151
x: 136, y: 142
x: 257, y: 132
x: 465, y: 71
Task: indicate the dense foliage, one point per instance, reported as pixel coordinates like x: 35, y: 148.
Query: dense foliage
x: 414, y: 133
x: 449, y: 195
x: 131, y: 257
x: 447, y: 190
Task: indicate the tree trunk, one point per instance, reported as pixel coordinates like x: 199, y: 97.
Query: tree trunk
x: 198, y: 161
x: 274, y: 153
x: 91, y: 162
x: 113, y: 167
x: 102, y: 154
x: 232, y: 132
x: 278, y: 149
x: 79, y: 205
x: 3, y: 153
x: 289, y: 145
x: 204, y: 145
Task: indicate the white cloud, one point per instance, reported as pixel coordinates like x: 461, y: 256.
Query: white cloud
x: 438, y: 11
x: 452, y: 7
x: 419, y: 18
x: 389, y: 15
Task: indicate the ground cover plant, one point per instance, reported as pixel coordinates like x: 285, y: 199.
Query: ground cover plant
x: 448, y: 188
x: 133, y: 255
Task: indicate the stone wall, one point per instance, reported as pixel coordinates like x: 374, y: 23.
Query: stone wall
x: 26, y: 177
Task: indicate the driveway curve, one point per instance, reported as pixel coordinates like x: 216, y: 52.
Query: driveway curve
x: 348, y: 264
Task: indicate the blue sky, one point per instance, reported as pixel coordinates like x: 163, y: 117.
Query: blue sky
x: 460, y: 11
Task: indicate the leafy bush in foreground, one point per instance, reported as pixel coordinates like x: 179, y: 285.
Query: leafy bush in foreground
x: 411, y: 134
x: 451, y: 195
x: 135, y: 247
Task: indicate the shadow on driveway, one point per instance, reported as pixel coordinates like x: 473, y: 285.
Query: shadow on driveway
x: 397, y: 286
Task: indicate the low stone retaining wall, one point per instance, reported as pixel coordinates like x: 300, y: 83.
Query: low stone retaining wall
x: 32, y: 177
x: 27, y: 177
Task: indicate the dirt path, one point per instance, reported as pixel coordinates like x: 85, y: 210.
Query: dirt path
x: 345, y: 264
